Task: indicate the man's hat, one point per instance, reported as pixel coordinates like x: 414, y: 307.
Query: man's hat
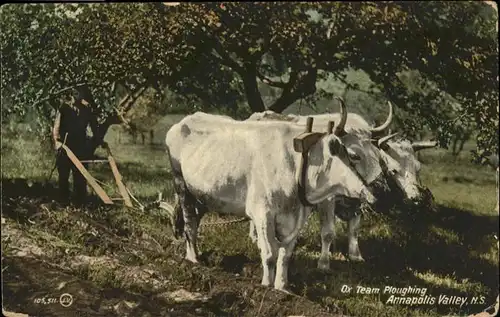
x: 77, y: 94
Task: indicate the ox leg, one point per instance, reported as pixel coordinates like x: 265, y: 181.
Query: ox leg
x: 286, y: 251
x: 327, y: 223
x: 284, y: 255
x: 268, y: 245
x: 193, y: 213
x: 252, y: 232
x: 190, y: 220
x: 191, y: 232
x: 353, y: 232
x: 177, y: 219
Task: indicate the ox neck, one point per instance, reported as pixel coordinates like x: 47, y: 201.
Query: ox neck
x: 355, y: 171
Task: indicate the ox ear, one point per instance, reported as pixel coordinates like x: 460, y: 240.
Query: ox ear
x: 383, y: 146
x: 335, y: 146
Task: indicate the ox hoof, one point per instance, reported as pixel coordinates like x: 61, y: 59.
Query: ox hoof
x: 324, y: 264
x: 191, y: 259
x: 285, y: 290
x: 356, y: 258
x: 266, y: 283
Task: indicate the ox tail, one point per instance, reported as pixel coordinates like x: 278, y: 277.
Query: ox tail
x: 176, y: 215
x: 298, y: 226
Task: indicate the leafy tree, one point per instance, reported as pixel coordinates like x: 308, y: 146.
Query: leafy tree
x: 225, y: 53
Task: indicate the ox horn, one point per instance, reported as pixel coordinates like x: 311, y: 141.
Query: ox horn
x: 386, y: 123
x: 339, y: 130
x: 383, y: 140
x: 417, y: 146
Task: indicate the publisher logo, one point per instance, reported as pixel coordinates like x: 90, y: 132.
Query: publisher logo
x: 66, y: 300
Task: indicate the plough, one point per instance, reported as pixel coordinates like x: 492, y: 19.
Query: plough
x: 126, y: 195
x: 124, y: 192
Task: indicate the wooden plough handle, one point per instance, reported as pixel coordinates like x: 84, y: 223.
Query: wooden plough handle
x: 98, y: 189
x: 118, y: 178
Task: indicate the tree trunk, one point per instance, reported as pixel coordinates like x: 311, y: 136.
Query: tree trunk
x: 134, y: 137
x: 454, y: 151
x: 300, y: 85
x: 102, y: 129
x: 111, y: 118
x: 462, y: 143
x: 252, y: 92
x: 282, y: 103
x: 151, y: 137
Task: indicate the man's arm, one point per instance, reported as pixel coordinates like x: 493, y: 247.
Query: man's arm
x: 55, y: 129
x: 94, y: 126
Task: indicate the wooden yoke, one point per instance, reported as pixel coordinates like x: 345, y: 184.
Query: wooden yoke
x: 330, y: 126
x: 303, y: 142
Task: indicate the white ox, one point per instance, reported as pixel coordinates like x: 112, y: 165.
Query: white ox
x: 251, y: 168
x: 398, y: 159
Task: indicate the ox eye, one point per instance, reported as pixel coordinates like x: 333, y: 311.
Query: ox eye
x: 393, y: 172
x: 353, y: 156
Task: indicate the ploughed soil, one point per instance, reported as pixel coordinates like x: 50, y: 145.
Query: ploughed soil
x: 113, y: 263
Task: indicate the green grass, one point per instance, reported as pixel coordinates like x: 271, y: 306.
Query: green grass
x: 450, y: 250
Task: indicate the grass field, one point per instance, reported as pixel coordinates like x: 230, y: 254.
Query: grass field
x: 121, y: 262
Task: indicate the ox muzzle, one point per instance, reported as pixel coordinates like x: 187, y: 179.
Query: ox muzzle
x: 347, y: 207
x: 390, y: 196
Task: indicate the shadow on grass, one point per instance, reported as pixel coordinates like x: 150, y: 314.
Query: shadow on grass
x: 132, y: 173
x: 469, y: 180
x: 420, y: 247
x: 22, y: 192
x: 432, y: 250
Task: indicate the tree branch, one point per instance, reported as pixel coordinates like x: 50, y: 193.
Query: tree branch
x: 57, y: 93
x: 272, y: 83
x: 257, y: 56
x: 120, y: 118
x: 136, y: 96
x: 351, y: 86
x: 126, y: 104
x: 201, y: 94
x: 286, y: 95
x: 225, y: 57
x: 298, y: 87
